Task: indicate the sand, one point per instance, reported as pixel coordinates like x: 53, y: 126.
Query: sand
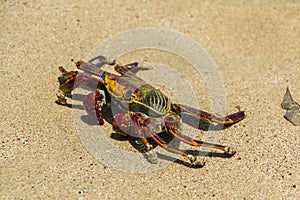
x: 254, y: 45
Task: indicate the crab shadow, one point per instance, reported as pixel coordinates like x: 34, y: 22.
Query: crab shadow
x: 170, y: 140
x: 195, y: 153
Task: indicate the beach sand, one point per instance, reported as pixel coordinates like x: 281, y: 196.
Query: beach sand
x: 254, y: 45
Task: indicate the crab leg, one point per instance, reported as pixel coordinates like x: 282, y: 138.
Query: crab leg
x: 149, y: 148
x: 129, y: 70
x: 124, y: 69
x: 172, y: 123
x: 90, y: 68
x: 193, y: 159
x: 99, y: 61
x: 140, y: 125
x: 193, y: 142
x: 227, y: 120
x: 92, y: 104
x: 95, y: 69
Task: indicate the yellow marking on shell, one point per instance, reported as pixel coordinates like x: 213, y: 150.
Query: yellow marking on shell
x: 113, y: 86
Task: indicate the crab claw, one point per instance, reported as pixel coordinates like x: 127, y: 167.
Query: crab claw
x: 122, y: 124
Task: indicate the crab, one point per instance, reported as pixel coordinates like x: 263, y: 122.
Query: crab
x: 138, y: 108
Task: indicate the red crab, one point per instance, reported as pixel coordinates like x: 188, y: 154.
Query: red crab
x: 136, y: 107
